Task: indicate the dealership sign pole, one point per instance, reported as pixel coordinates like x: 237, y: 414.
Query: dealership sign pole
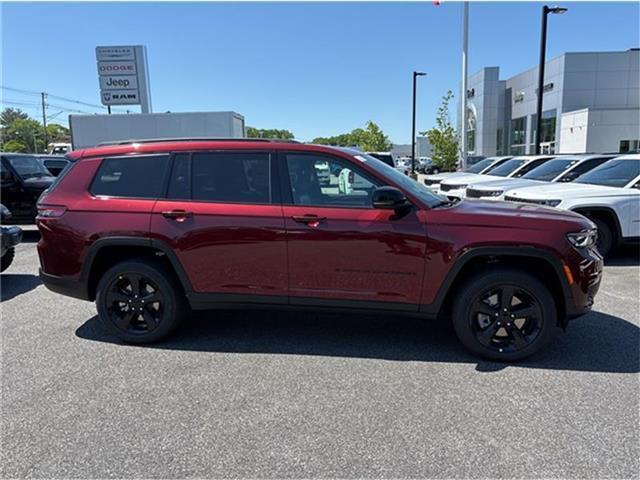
x: 123, y: 74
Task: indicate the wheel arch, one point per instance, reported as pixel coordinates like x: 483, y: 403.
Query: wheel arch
x: 539, y: 262
x: 607, y: 214
x: 105, y: 252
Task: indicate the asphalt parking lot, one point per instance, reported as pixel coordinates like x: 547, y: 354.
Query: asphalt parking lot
x: 275, y: 394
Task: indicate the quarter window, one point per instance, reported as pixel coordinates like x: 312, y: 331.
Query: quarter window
x: 231, y: 177
x: 319, y: 180
x: 137, y: 177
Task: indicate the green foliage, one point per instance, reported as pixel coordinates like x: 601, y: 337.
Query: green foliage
x: 58, y: 133
x: 370, y: 139
x: 443, y: 137
x: 19, y: 133
x: 253, y: 132
x: 14, y: 146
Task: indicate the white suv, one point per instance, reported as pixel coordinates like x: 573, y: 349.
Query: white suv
x: 513, y: 168
x: 561, y: 169
x: 481, y: 168
x: 609, y: 195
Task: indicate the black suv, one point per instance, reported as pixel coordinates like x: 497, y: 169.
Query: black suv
x: 24, y: 178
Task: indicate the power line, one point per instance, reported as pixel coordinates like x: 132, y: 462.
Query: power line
x: 58, y: 97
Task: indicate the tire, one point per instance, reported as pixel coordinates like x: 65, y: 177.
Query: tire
x: 7, y: 258
x: 139, y: 319
x: 606, y: 239
x: 488, y: 331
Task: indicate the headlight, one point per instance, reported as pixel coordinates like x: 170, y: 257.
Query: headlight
x: 584, y: 239
x: 551, y: 203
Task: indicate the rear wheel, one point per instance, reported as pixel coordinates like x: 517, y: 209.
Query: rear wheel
x: 504, y: 315
x: 606, y: 237
x: 140, y: 301
x: 7, y: 258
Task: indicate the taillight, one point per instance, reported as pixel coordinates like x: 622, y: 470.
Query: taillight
x: 51, y: 211
x: 351, y: 177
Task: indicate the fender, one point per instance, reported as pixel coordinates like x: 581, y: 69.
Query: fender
x: 434, y: 308
x: 152, y: 243
x: 599, y: 208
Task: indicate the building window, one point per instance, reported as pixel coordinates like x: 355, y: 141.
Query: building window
x: 499, y: 144
x: 518, y: 135
x: 471, y: 130
x: 548, y: 131
x: 627, y: 146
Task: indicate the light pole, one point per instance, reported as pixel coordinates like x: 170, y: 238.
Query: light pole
x: 413, y: 124
x: 546, y: 10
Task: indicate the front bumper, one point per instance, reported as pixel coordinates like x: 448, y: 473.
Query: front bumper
x: 587, y: 272
x: 11, y: 236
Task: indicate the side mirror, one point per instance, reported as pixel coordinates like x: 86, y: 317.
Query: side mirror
x: 388, y: 198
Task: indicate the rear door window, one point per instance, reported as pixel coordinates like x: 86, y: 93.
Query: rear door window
x: 134, y: 176
x: 234, y: 177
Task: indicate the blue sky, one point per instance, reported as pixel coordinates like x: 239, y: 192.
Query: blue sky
x: 317, y: 69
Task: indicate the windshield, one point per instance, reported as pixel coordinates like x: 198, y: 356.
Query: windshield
x: 507, y: 168
x: 551, y: 169
x: 421, y: 191
x: 28, y: 167
x: 614, y: 173
x: 478, y: 167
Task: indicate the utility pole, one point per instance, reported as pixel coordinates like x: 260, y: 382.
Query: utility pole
x: 44, y: 120
x: 413, y: 125
x: 463, y: 93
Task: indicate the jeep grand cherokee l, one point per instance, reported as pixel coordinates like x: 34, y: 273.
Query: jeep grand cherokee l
x: 150, y: 230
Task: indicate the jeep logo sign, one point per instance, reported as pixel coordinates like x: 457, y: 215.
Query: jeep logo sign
x: 123, y: 76
x: 123, y: 82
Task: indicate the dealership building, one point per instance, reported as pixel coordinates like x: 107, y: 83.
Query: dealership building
x: 591, y: 103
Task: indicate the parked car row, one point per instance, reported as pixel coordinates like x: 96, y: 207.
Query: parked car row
x: 603, y: 187
x: 9, y: 238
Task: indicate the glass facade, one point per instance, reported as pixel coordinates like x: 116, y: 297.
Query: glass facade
x: 518, y: 135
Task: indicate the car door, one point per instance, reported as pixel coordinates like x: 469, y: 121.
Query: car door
x: 222, y: 217
x: 342, y: 251
x: 14, y: 195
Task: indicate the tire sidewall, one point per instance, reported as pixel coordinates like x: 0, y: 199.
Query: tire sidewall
x: 7, y: 258
x: 173, y: 302
x: 483, y: 282
x: 605, y: 237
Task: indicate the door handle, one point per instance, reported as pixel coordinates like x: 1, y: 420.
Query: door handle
x: 312, y: 220
x: 179, y: 215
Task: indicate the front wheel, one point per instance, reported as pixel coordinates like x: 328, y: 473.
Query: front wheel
x: 504, y: 314
x: 140, y: 301
x: 605, y: 240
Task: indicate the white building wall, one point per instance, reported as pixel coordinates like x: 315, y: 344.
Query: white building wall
x: 598, y: 130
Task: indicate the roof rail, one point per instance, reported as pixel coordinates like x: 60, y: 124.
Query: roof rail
x: 193, y: 139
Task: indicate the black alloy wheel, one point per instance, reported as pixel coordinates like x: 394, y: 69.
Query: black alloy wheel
x: 135, y: 303
x: 506, y: 319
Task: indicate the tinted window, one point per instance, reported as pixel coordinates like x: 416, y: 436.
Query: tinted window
x: 28, y: 166
x: 231, y: 177
x: 582, y: 168
x: 530, y: 166
x: 551, y: 169
x: 481, y: 165
x: 383, y: 157
x: 180, y: 183
x: 136, y: 176
x: 320, y: 180
x: 507, y: 167
x: 614, y: 173
x: 59, y: 164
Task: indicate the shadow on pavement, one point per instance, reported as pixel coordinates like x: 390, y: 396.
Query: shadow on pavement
x: 624, y: 256
x: 30, y: 236
x: 14, y: 284
x: 596, y: 342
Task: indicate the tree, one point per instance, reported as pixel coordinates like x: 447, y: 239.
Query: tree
x: 443, y: 137
x: 10, y: 115
x: 58, y: 133
x: 14, y: 146
x: 370, y: 139
x: 26, y: 131
x: 253, y: 132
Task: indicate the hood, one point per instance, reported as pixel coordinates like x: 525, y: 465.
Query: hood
x: 482, y: 213
x: 444, y: 176
x: 565, y: 190
x: 38, y: 183
x: 464, y: 178
x: 506, y: 184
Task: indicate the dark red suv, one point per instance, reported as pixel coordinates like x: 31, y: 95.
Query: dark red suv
x: 152, y: 229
